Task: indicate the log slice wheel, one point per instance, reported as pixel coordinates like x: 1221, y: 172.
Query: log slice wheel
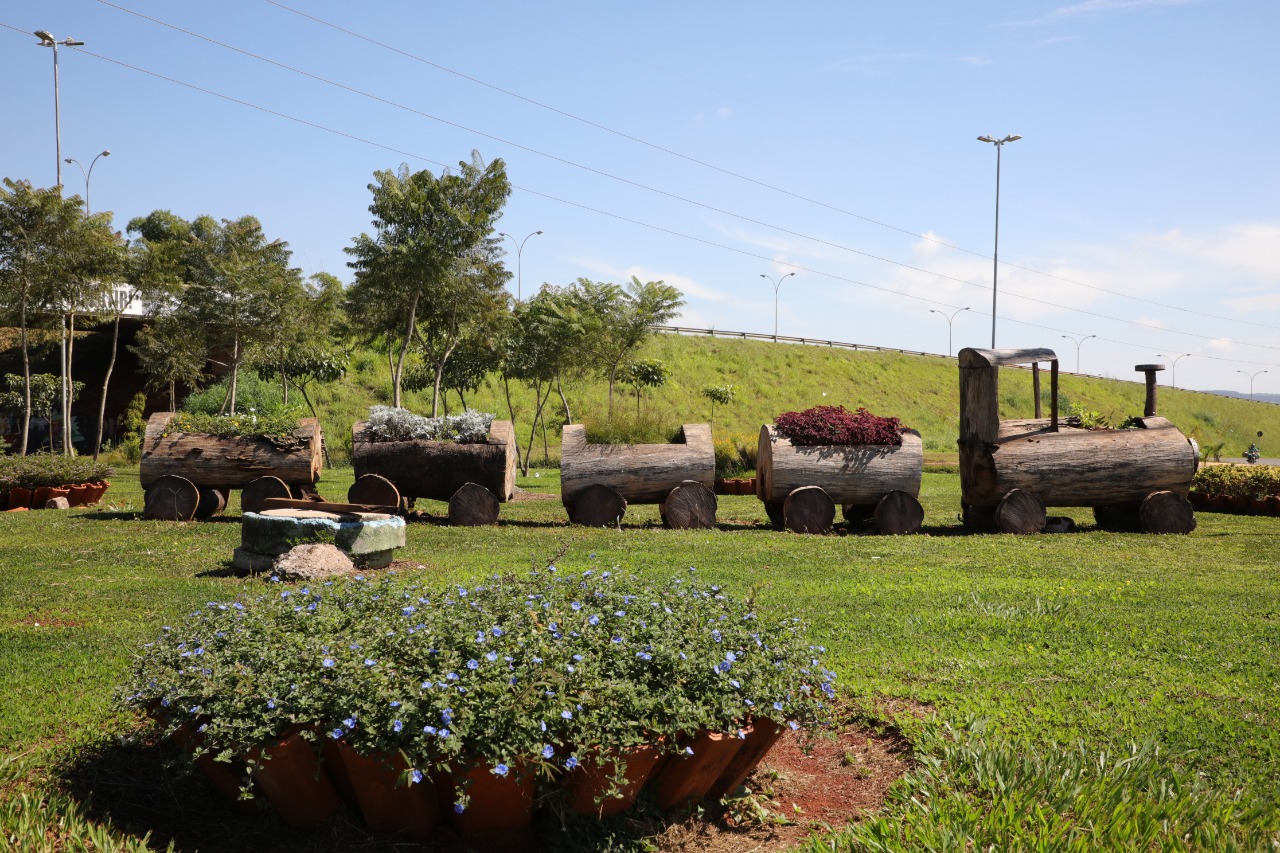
x: 598, y: 506
x: 1020, y: 512
x: 257, y: 491
x: 373, y: 489
x: 171, y: 498
x: 808, y: 509
x: 473, y: 506
x: 1166, y: 512
x: 898, y: 513
x: 689, y: 506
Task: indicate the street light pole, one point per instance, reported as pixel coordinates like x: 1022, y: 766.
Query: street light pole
x: 519, y: 260
x: 776, y: 284
x: 46, y: 40
x: 949, y: 321
x: 1174, y: 383
x: 87, y: 175
x: 1078, y: 344
x: 1251, y: 378
x: 995, y: 255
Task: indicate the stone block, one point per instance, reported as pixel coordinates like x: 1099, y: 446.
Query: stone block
x: 275, y: 531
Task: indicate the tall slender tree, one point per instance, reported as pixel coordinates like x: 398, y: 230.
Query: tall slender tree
x: 431, y: 247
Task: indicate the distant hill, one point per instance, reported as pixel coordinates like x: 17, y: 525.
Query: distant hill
x: 1258, y: 398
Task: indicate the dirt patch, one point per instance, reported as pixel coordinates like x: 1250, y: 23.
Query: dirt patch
x: 526, y: 495
x: 799, y: 788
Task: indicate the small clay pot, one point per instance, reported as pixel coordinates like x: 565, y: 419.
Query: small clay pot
x: 591, y: 782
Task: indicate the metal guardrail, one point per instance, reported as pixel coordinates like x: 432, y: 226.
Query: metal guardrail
x: 756, y: 336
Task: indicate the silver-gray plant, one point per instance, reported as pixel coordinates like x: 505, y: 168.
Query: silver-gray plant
x: 387, y: 423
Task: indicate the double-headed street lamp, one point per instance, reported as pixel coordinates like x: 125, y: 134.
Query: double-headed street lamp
x: 1251, y: 378
x: 995, y: 255
x: 949, y: 320
x: 519, y: 260
x: 776, y: 285
x: 87, y: 175
x: 46, y: 40
x: 1078, y: 343
x: 1174, y: 365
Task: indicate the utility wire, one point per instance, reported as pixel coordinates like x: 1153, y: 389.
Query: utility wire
x: 733, y: 174
x: 629, y: 182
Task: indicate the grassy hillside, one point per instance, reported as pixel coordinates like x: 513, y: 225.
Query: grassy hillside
x: 772, y: 378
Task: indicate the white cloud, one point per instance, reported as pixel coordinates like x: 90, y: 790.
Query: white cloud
x: 1096, y: 9
x: 724, y: 112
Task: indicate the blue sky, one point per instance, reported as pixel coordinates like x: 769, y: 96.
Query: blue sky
x: 706, y: 144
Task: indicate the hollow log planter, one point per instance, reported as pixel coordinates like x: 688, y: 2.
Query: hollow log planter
x: 475, y: 478
x: 598, y: 481
x: 191, y: 475
x: 801, y: 486
x: 1011, y: 470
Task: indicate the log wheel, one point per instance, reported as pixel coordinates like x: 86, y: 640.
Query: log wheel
x: 212, y: 502
x: 598, y: 506
x: 171, y: 498
x: 808, y: 509
x: 1020, y: 512
x: 1166, y: 512
x: 689, y: 506
x: 257, y: 491
x: 898, y: 513
x: 473, y: 506
x: 374, y: 489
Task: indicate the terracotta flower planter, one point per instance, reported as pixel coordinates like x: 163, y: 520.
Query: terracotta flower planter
x: 1273, y: 505
x: 290, y: 775
x: 96, y: 492
x: 761, y: 737
x: 44, y: 494
x: 591, y: 782
x: 687, y: 777
x: 226, y: 778
x: 77, y: 493
x: 19, y: 498
x: 388, y: 806
x: 499, y: 804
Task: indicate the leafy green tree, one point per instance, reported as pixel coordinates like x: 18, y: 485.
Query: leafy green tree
x: 722, y: 394
x: 531, y: 354
x: 616, y: 321
x: 35, y: 228
x: 43, y: 390
x: 429, y: 259
x: 168, y: 354
x: 643, y: 374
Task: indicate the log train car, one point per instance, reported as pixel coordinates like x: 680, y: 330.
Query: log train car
x: 1011, y: 470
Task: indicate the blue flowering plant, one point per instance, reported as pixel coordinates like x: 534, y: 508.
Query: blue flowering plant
x: 523, y: 674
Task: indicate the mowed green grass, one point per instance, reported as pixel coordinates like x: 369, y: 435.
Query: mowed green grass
x: 1099, y: 638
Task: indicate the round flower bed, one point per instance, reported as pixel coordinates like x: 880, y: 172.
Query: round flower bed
x: 540, y: 679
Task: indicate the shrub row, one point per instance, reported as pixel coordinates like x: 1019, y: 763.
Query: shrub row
x: 531, y: 671
x: 1237, y: 481
x: 32, y: 472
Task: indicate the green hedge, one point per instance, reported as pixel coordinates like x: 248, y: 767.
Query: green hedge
x: 1239, y: 481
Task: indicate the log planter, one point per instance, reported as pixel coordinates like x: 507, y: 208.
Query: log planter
x: 598, y: 481
x: 474, y: 477
x: 181, y: 472
x: 1011, y: 470
x: 801, y: 486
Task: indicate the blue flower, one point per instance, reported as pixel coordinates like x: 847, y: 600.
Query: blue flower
x: 615, y: 639
x: 568, y: 715
x: 452, y: 676
x: 501, y: 770
x: 395, y: 704
x: 459, y: 808
x: 336, y: 733
x: 370, y: 662
x: 777, y: 706
x: 577, y: 605
x: 491, y: 657
x: 429, y: 730
x: 688, y: 750
x: 715, y: 635
x: 473, y: 663
x: 571, y: 762
x: 271, y: 704
x: 619, y: 613
x: 644, y: 656
x: 593, y: 619
x: 548, y: 751
x: 328, y: 662
x: 577, y: 657
x: 447, y: 715
x: 724, y: 666
x: 416, y: 776
x: 497, y: 632
x: 730, y: 656
x: 794, y: 725
x: 397, y: 726
x: 350, y: 722
x: 462, y: 592
x: 444, y: 733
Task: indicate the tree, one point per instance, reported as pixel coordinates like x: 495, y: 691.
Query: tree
x: 643, y: 374
x: 168, y: 354
x: 722, y: 394
x: 617, y: 320
x: 430, y: 253
x: 34, y: 229
x: 44, y: 390
x: 530, y: 355
x: 241, y: 290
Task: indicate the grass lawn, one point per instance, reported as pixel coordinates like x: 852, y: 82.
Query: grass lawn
x: 1045, y: 663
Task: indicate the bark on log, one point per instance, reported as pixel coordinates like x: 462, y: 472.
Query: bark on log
x: 259, y: 490
x: 899, y: 513
x: 232, y: 462
x: 211, y: 503
x: 437, y: 469
x: 640, y: 473
x: 374, y: 489
x: 1076, y: 467
x: 473, y: 506
x: 808, y: 509
x: 1166, y: 512
x: 1020, y: 512
x: 326, y: 506
x: 689, y: 506
x: 849, y: 475
x: 597, y: 506
x: 171, y: 498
